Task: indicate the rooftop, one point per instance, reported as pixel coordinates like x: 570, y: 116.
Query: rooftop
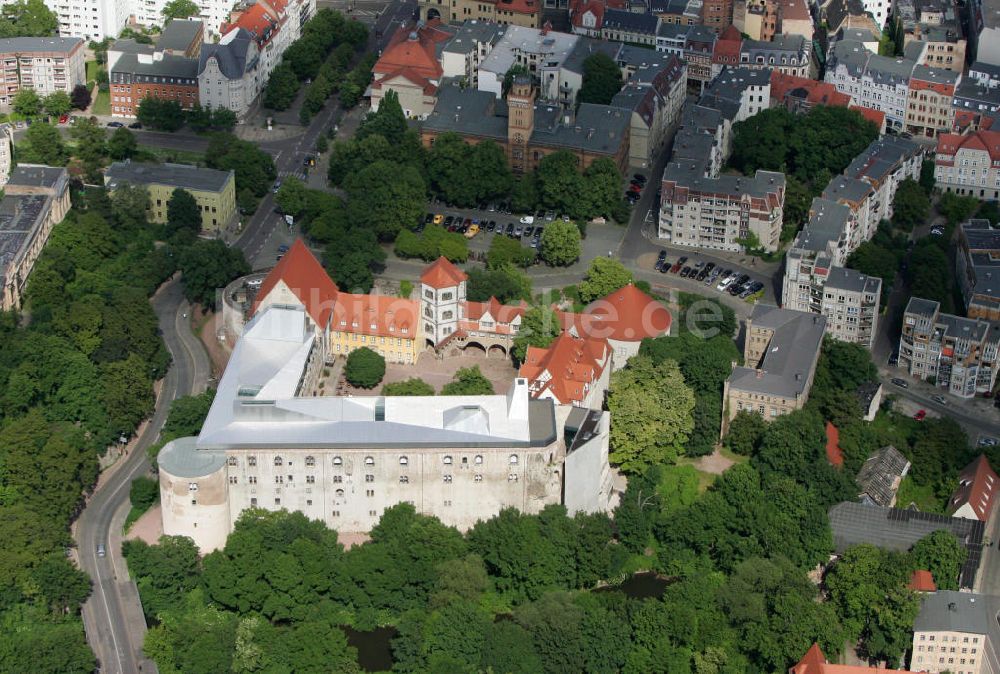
x: 25, y: 45
x: 302, y: 275
x: 977, y: 487
x: 180, y: 34
x: 168, y: 65
x: 964, y: 612
x: 814, y: 662
x: 880, y: 476
x: 631, y: 22
x: 567, y: 369
x: 896, y: 529
x: 173, y: 175
x: 471, y: 34
x: 841, y: 278
x: 234, y: 54
x: 981, y: 243
x: 550, y: 47
x: 627, y: 315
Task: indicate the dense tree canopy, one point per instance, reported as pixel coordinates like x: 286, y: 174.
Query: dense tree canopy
x: 604, y: 276
x: 364, y: 368
x: 179, y: 9
x: 602, y: 79
x: 560, y: 244
x: 408, y: 387
x: 27, y: 18
x: 183, y: 212
x: 468, y: 381
x: 910, y: 206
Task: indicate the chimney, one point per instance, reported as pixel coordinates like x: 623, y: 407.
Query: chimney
x: 953, y: 607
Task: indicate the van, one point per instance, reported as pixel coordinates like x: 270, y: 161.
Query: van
x: 100, y: 550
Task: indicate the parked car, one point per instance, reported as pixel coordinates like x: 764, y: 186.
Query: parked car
x: 666, y: 267
x: 472, y: 231
x: 987, y: 441
x: 283, y: 248
x: 937, y: 230
x: 100, y: 550
x: 920, y: 415
x: 63, y: 119
x: 528, y: 231
x: 901, y: 383
x: 527, y: 220
x: 510, y: 229
x: 517, y: 232
x: 274, y: 188
x: 111, y: 125
x: 429, y: 218
x: 726, y: 280
x: 549, y: 216
x: 135, y: 125
x: 940, y: 399
x: 686, y: 272
x: 439, y: 219
x: 639, y: 178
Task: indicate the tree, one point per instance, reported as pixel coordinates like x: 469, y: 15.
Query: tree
x: 91, y: 148
x: 57, y: 103
x: 910, y: 206
x: 130, y: 206
x: 942, y: 555
x: 798, y: 199
x: 282, y: 87
x: 64, y: 587
x: 602, y: 186
x: 505, y: 251
x: 539, y: 327
x: 878, y: 261
x: 506, y: 283
x: 364, y: 368
x: 44, y: 145
x: 508, y: 78
x: 122, y: 144
x: 652, y: 408
x: 604, y: 276
x: 560, y: 185
x: 386, y: 206
x: 409, y: 387
x: 927, y: 180
x: 207, y: 266
x: 183, y: 212
x: 292, y: 196
x: 80, y: 97
x: 388, y: 122
x: 143, y: 492
x: 26, y: 102
x: 222, y: 119
x: 468, y: 381
x: 560, y: 244
x: 957, y: 208
x: 253, y: 167
x: 179, y: 9
x: 28, y: 18
x: 162, y: 114
x: 602, y: 79
x: 745, y: 432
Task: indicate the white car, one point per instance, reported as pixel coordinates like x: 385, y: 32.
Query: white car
x: 527, y: 220
x: 724, y: 283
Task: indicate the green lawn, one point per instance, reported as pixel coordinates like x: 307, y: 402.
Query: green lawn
x: 164, y: 154
x: 92, y: 68
x: 923, y: 496
x: 102, y: 104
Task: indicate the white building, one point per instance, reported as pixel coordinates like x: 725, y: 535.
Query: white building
x: 230, y: 73
x: 877, y: 82
x: 91, y: 19
x: 268, y: 443
x: 6, y: 145
x: 44, y: 64
x: 541, y: 51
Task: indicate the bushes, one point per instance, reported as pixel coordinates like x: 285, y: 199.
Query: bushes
x: 434, y: 242
x: 143, y: 492
x: 364, y: 368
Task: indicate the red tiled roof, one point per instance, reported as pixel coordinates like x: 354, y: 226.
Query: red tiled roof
x: 943, y: 88
x: 834, y: 454
x: 597, y: 7
x: 987, y: 141
x: 572, y: 365
x: 380, y: 315
x: 626, y: 315
x: 977, y: 485
x: 519, y: 6
x: 876, y: 117
x: 817, y: 93
x: 814, y: 662
x: 442, y: 274
x: 419, y: 54
x: 501, y: 313
x: 305, y: 277
x: 257, y: 21
x: 428, y: 87
x: 922, y: 580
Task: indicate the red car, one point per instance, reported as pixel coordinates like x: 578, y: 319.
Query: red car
x: 920, y: 415
x: 63, y: 119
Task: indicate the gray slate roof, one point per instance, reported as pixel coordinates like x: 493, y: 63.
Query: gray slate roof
x: 630, y: 22
x: 791, y: 353
x: 984, y: 250
x: 179, y: 34
x: 970, y: 613
x: 25, y: 45
x: 880, y: 475
x: 471, y: 34
x: 841, y: 278
x: 37, y: 175
x: 176, y: 175
x: 848, y: 189
x: 826, y: 225
x: 232, y: 56
x: 171, y: 65
x: 468, y: 112
x: 896, y: 529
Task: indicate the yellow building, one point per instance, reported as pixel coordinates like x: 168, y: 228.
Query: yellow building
x: 215, y: 191
x: 343, y: 321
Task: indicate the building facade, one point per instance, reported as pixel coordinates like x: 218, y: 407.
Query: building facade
x: 977, y: 266
x: 166, y: 71
x: 230, y: 74
x: 91, y: 19
x: 937, y: 23
x: 954, y: 353
x: 956, y: 632
x: 969, y: 165
x: 45, y: 64
x: 929, y: 109
x: 35, y: 199
x: 214, y: 191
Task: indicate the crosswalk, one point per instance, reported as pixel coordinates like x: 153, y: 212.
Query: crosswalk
x: 300, y: 174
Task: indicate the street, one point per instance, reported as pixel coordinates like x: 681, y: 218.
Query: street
x: 112, y: 615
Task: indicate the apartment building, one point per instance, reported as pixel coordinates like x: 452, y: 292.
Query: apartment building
x: 873, y: 81
x: 976, y: 106
x: 717, y: 15
x: 230, y: 74
x: 789, y: 54
x: 956, y: 354
x: 937, y: 23
x: 977, y: 265
x: 524, y: 13
x: 91, y: 19
x: 956, y: 632
x: 987, y: 74
x: 929, y: 109
x: 6, y: 151
x: 45, y: 64
x: 463, y: 54
x: 541, y: 52
x: 215, y: 191
x: 655, y: 97
x: 677, y: 12
x: 969, y: 165
x: 884, y: 164
x: 984, y: 30
x: 780, y: 355
x: 699, y: 47
x: 35, y: 199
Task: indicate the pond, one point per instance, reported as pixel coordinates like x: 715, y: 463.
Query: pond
x: 374, y: 650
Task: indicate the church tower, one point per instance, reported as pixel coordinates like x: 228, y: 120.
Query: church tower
x: 520, y: 122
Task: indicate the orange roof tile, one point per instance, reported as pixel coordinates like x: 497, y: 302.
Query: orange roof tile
x: 567, y: 368
x: 305, y: 277
x: 834, y: 454
x: 626, y: 315
x: 988, y: 141
x: 876, y: 117
x: 380, y: 315
x: 922, y: 580
x: 977, y: 485
x: 519, y: 6
x: 442, y: 274
x: 414, y: 48
x: 814, y: 662
x: 257, y: 21
x: 501, y: 313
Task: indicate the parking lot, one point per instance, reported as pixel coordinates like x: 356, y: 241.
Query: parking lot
x: 713, y: 275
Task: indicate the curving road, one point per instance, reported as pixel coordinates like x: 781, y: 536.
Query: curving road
x: 112, y: 615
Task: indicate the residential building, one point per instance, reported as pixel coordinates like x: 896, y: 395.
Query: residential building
x: 880, y: 476
x: 6, y: 151
x: 756, y: 18
x: 699, y: 47
x: 271, y: 441
x: 802, y: 94
x: 780, y: 353
x: 977, y: 260
x: 678, y: 12
x: 790, y: 54
x: 814, y: 662
x: 717, y: 15
x: 897, y: 529
x: 726, y: 51
x: 671, y: 38
x: 570, y: 371
x: 849, y: 300
x: 45, y: 64
x: 929, y: 108
x: 955, y: 353
x: 655, y: 98
x: 625, y: 26
x: 91, y: 19
x: 987, y: 74
x: 523, y: 13
x: 462, y: 55
x: 884, y: 164
x: 984, y: 30
x: 272, y: 24
x: 166, y: 71
x: 872, y: 81
x: 542, y: 52
x: 840, y: 15
x: 956, y: 632
x: 937, y: 23
x: 215, y: 191
x: 230, y: 74
x: 566, y: 83
x: 528, y: 130
x: 976, y: 106
x: 969, y: 165
x: 794, y: 18
x: 410, y: 65
x: 977, y: 488
x: 35, y: 199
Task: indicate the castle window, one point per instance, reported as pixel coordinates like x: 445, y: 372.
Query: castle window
x: 251, y: 461
x: 192, y: 486
x: 447, y: 478
x: 447, y: 460
x: 446, y: 296
x: 403, y: 479
x: 403, y: 461
x: 513, y: 459
x: 310, y: 461
x: 369, y: 461
x: 478, y: 460
x: 232, y: 461
x: 340, y: 493
x: 337, y: 461
x: 447, y: 315
x: 479, y: 478
x: 277, y: 461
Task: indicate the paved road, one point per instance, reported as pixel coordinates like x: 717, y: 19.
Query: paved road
x: 113, y: 615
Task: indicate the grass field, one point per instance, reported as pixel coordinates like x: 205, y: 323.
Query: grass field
x: 92, y: 68
x: 102, y: 104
